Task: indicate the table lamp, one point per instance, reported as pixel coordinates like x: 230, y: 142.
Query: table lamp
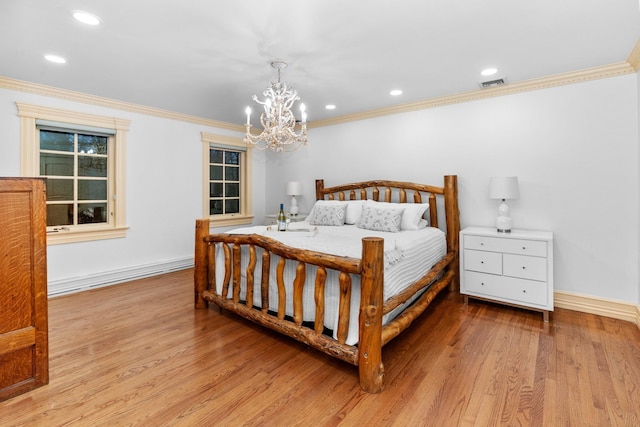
x: 294, y: 189
x: 504, y: 188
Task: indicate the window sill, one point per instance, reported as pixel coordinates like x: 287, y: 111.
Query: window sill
x: 230, y: 220
x: 72, y: 236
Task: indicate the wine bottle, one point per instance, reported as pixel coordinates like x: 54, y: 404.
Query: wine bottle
x: 282, y: 219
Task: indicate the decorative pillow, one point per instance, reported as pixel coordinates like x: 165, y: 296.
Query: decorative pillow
x: 380, y: 219
x: 412, y: 215
x: 331, y: 214
x: 354, y: 208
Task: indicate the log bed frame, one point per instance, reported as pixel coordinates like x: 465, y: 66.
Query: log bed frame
x: 367, y: 354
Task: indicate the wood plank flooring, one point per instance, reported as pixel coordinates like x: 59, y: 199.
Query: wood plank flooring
x: 138, y: 354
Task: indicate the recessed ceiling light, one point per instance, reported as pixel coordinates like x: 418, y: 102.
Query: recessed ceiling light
x: 55, y: 58
x: 395, y: 92
x: 489, y: 71
x: 86, y: 17
x: 330, y: 107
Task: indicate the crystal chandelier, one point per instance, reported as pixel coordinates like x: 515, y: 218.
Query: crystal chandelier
x: 277, y: 119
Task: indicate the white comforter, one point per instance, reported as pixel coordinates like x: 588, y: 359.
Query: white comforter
x: 408, y: 255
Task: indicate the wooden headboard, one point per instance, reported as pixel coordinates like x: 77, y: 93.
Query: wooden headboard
x: 398, y: 191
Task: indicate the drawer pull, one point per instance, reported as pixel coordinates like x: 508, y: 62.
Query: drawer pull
x: 524, y: 291
x: 481, y: 283
x: 524, y: 268
x: 524, y: 248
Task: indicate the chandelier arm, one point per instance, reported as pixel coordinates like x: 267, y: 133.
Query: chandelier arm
x: 278, y: 121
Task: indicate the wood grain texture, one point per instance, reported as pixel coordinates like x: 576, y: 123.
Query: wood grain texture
x: 24, y: 354
x: 137, y: 354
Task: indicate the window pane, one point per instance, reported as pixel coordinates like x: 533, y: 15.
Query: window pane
x: 231, y: 173
x: 59, y: 189
x: 215, y: 207
x: 92, y: 190
x: 224, y: 181
x: 232, y: 190
x: 232, y: 157
x: 56, y: 164
x: 58, y: 141
x: 92, y: 144
x: 59, y: 215
x: 215, y: 172
x: 89, y: 213
x: 215, y: 156
x: 231, y: 206
x: 92, y: 166
x: 215, y: 189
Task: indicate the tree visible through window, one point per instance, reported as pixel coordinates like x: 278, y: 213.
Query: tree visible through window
x: 76, y: 167
x: 82, y: 157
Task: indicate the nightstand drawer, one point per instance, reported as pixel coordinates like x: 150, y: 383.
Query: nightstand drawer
x: 516, y: 291
x: 486, y: 262
x: 525, y: 267
x: 508, y: 245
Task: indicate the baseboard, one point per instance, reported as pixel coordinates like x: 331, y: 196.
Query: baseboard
x: 571, y: 301
x: 600, y: 306
x: 78, y: 284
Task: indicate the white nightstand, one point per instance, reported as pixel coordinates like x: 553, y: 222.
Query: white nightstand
x: 512, y: 268
x: 273, y: 218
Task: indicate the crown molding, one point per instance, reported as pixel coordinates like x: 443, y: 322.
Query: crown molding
x: 613, y: 70
x: 606, y: 71
x: 634, y: 56
x: 69, y: 95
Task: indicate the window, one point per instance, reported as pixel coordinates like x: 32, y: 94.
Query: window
x: 82, y: 158
x: 227, y: 198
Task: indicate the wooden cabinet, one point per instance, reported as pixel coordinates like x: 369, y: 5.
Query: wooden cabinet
x: 24, y: 351
x: 513, y: 268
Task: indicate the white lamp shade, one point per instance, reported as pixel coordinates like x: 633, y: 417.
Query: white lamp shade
x: 294, y: 188
x: 504, y: 188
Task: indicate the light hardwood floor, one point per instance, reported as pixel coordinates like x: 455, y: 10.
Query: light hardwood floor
x: 139, y: 354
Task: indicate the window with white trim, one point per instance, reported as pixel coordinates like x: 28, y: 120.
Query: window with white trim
x: 226, y: 171
x: 82, y: 158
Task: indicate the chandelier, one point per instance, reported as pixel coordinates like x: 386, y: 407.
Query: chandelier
x: 277, y: 119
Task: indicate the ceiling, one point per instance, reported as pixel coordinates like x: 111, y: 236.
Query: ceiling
x: 207, y: 58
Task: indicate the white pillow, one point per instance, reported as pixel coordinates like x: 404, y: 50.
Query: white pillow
x: 412, y: 215
x: 380, y: 219
x: 332, y: 214
x: 354, y: 208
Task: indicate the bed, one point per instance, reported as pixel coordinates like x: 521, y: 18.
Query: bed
x: 346, y: 300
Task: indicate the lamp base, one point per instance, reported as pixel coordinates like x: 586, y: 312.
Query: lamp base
x: 503, y: 224
x: 293, y: 209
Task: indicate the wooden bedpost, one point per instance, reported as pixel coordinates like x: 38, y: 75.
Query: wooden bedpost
x: 319, y: 188
x: 370, y: 364
x: 200, y: 263
x: 452, y: 215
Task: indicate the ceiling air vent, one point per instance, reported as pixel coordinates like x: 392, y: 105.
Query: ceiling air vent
x: 492, y: 83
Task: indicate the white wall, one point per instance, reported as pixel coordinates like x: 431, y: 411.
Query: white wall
x: 164, y: 194
x: 574, y: 149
